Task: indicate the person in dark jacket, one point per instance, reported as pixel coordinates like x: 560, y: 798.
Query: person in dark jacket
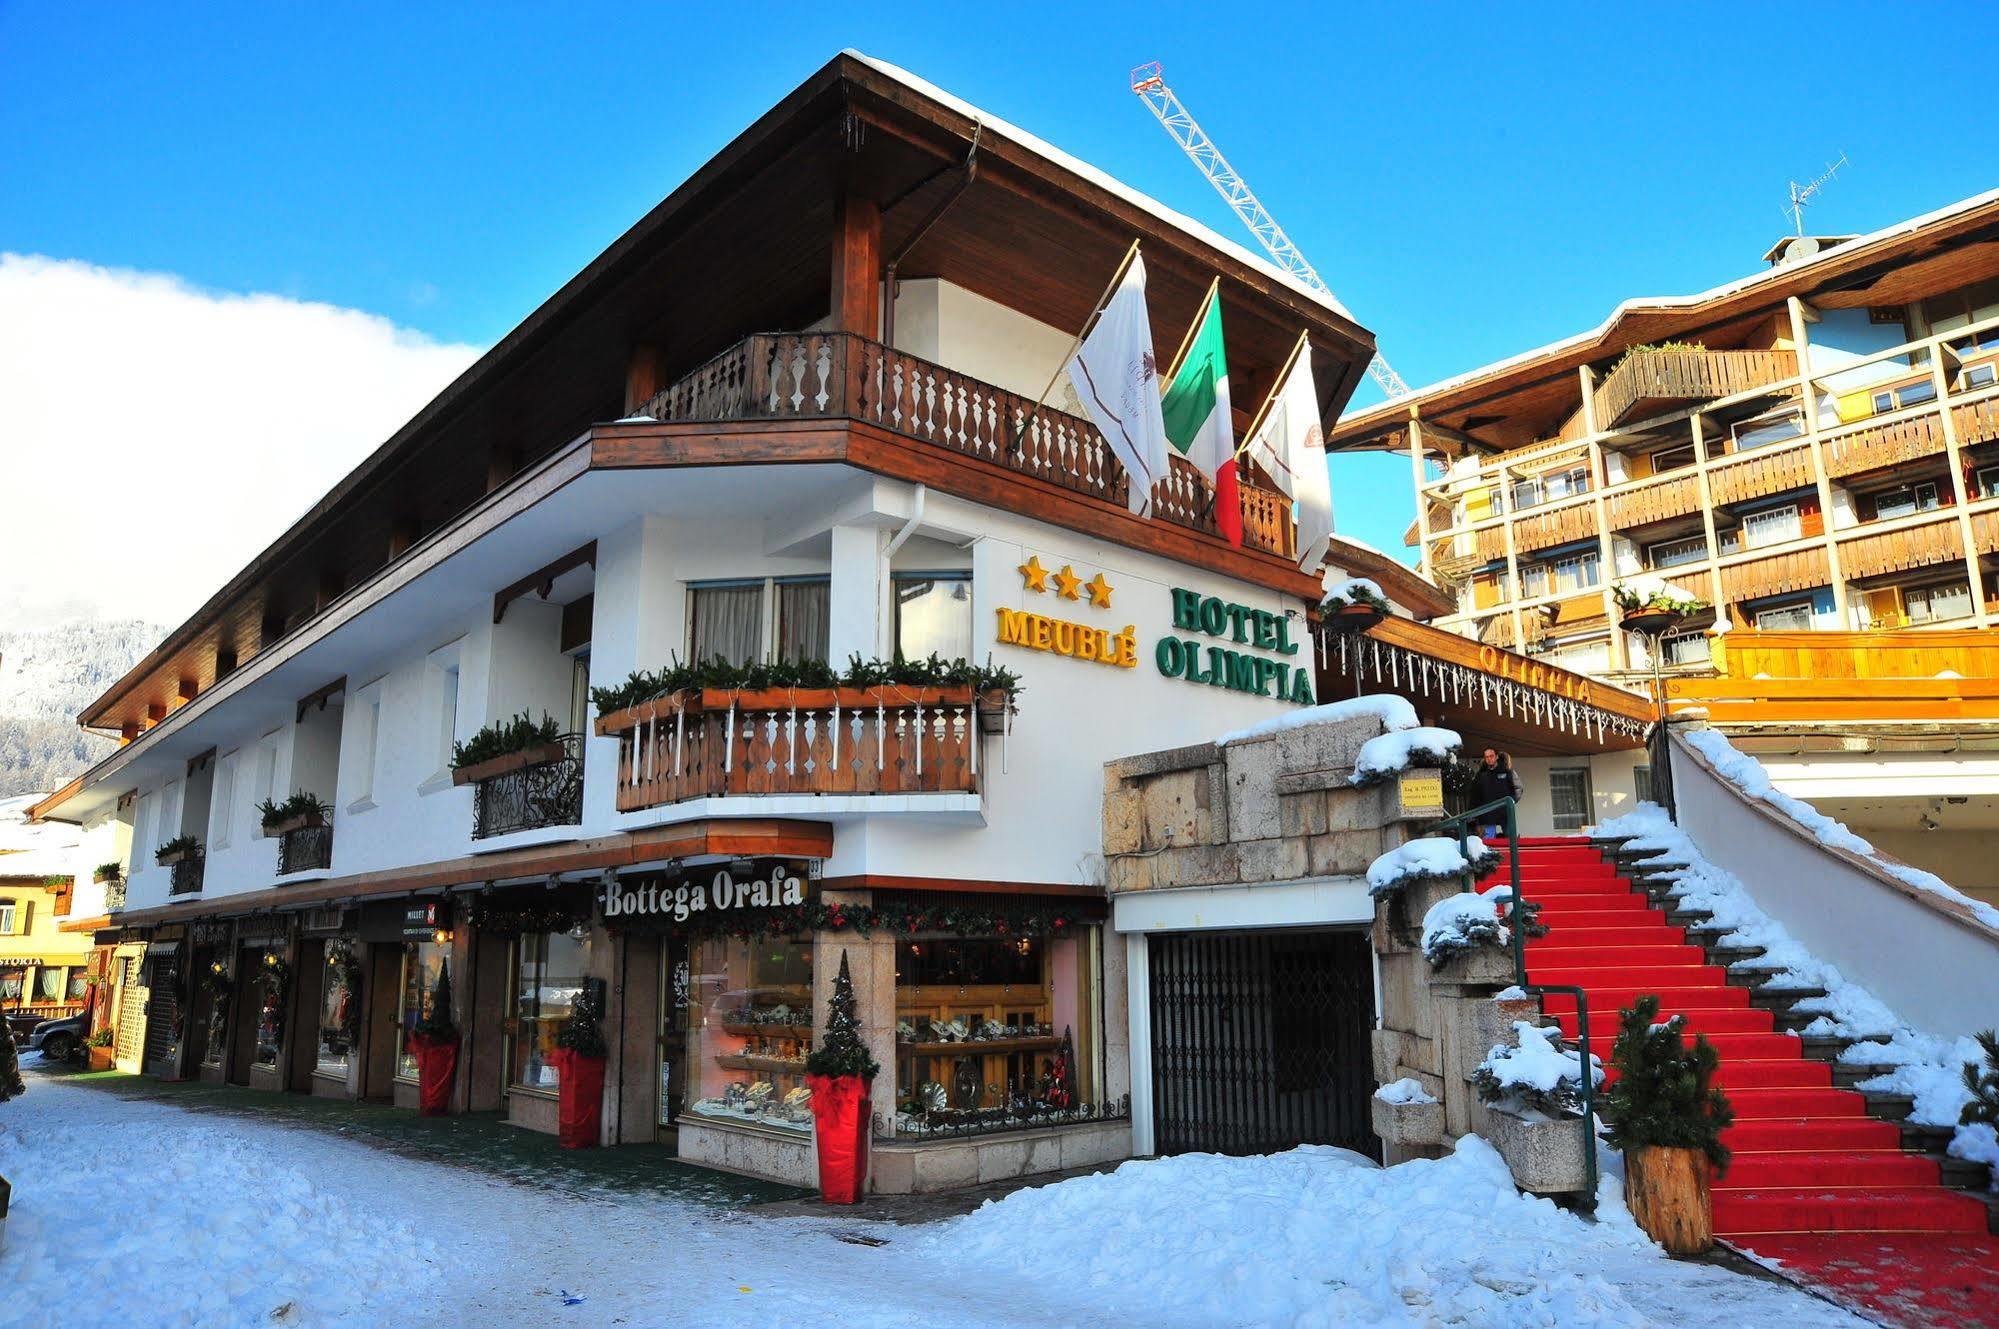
x: 1495, y: 779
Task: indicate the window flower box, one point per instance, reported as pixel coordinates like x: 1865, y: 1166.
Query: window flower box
x: 540, y: 754
x: 285, y: 825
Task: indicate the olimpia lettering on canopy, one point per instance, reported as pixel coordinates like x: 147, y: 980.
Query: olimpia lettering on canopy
x: 1223, y: 667
x: 1508, y: 686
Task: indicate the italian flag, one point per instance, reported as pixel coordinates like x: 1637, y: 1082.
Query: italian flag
x: 1196, y: 410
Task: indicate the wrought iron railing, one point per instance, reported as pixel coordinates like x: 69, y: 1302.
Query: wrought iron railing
x: 305, y: 849
x: 547, y: 793
x: 186, y: 878
x: 817, y: 375
x: 1019, y: 1116
x: 1518, y: 912
x: 114, y: 895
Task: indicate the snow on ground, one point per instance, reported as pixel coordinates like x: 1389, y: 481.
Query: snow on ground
x: 1387, y: 755
x: 139, y: 1213
x: 1394, y: 713
x: 1927, y: 1067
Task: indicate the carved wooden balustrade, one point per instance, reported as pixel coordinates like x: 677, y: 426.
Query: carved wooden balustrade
x: 816, y: 375
x: 715, y: 743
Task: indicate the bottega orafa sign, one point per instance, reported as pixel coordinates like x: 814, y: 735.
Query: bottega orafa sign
x: 768, y: 884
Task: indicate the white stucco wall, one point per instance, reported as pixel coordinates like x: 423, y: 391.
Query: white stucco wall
x: 1613, y: 788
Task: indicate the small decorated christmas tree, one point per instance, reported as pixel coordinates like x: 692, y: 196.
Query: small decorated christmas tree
x: 1664, y: 1096
x: 583, y: 1032
x: 1983, y: 1109
x: 841, y: 1052
x: 437, y: 1023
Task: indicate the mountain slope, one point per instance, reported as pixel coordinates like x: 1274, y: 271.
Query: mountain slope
x: 46, y: 676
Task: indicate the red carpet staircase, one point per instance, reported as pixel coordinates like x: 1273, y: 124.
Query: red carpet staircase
x: 1807, y: 1157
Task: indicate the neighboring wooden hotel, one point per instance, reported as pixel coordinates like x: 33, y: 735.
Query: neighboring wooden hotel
x: 1814, y: 450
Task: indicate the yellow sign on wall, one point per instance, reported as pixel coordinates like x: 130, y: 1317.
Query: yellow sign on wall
x: 1422, y: 791
x: 1039, y: 633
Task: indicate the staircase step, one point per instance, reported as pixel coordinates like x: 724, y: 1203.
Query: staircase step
x: 1567, y: 885
x: 1809, y: 1136
x: 1633, y: 978
x: 1756, y: 1047
x: 1599, y: 940
x: 1764, y: 1104
x: 1736, y: 1074
x: 1571, y: 952
x: 1750, y: 1171
x: 1629, y: 913
x: 1672, y: 1001
x: 1881, y: 1210
x: 1603, y: 1022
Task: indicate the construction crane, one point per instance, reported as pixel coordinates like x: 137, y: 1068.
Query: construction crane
x: 1149, y: 82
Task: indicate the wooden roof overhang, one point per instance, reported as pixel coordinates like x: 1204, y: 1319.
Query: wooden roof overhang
x: 1517, y: 402
x: 1489, y: 695
x: 745, y: 245
x: 728, y: 837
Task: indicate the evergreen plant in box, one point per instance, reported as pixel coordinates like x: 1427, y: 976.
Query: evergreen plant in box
x: 839, y: 1072
x: 1667, y: 1117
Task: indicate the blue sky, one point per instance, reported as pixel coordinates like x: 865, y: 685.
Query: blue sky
x: 1471, y: 181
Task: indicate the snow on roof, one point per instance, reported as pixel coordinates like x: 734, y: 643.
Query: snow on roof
x: 34, y: 849
x: 1394, y: 713
x: 994, y: 125
x: 1667, y: 302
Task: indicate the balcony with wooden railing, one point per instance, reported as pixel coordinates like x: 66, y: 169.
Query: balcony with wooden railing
x: 1650, y: 381
x: 835, y: 375
x: 1899, y: 550
x: 718, y: 743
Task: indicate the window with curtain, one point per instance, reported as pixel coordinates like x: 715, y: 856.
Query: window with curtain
x: 726, y: 621
x: 801, y: 619
x: 8, y: 914
x: 50, y: 980
x: 933, y: 615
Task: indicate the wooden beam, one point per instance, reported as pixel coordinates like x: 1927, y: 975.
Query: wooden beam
x: 225, y: 661
x: 402, y: 534
x: 501, y: 463
x: 187, y: 690
x: 327, y: 588
x: 318, y: 697
x: 857, y: 241
x: 542, y: 580
x: 645, y: 375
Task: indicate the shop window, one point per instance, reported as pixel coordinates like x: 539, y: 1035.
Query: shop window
x: 933, y: 615
x: 548, y: 978
x: 749, y: 1030
x: 993, y: 1033
x: 49, y: 982
x: 1569, y: 797
x: 339, y: 1008
x: 11, y: 983
x: 270, y: 997
x: 79, y: 983
x: 423, y: 961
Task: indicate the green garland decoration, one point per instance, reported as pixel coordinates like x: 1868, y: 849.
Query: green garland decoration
x: 527, y: 920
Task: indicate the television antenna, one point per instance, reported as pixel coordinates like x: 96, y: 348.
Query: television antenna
x: 1149, y: 83
x: 1801, y: 195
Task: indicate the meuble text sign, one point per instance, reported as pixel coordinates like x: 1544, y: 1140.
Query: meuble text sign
x: 774, y: 889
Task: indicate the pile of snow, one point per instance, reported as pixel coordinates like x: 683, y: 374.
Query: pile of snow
x: 1356, y: 590
x: 1320, y: 1236
x: 1536, y: 1076
x: 1457, y: 923
x: 1408, y: 1089
x: 1927, y: 1068
x: 1648, y: 587
x: 1427, y: 858
x: 1748, y: 775
x: 1384, y: 757
x: 1393, y: 712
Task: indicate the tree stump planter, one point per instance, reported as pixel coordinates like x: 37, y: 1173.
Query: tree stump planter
x: 1546, y: 1157
x: 1667, y: 1193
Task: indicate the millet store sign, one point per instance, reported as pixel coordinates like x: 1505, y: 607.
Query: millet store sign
x: 1225, y: 667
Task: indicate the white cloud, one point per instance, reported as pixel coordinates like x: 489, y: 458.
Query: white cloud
x: 154, y: 437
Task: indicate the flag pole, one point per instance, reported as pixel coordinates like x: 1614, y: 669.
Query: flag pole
x: 1277, y: 386
x: 1200, y: 312
x: 1096, y: 310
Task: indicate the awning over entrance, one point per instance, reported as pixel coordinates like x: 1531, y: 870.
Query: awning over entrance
x: 1526, y: 706
x: 732, y: 837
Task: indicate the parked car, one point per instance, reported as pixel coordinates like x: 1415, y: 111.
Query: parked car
x: 60, y: 1040
x: 21, y: 1024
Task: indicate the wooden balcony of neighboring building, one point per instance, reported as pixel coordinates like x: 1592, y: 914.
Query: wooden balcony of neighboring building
x: 1917, y: 677
x: 1653, y: 501
x: 1778, y: 574
x: 855, y: 741
x: 1649, y: 381
x: 1899, y: 550
x: 832, y: 375
x: 1762, y: 474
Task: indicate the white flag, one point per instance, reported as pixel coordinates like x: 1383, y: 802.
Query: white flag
x: 1290, y: 446
x: 1117, y: 380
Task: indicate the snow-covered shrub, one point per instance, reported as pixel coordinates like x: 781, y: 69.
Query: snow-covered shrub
x: 1354, y: 591
x: 1383, y: 758
x: 1408, y: 1089
x: 1536, y: 1075
x: 1425, y: 859
x: 1983, y: 1086
x: 1458, y: 924
x: 1665, y: 1096
x: 1648, y: 592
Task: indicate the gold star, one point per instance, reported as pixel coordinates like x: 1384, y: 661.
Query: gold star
x: 1100, y: 591
x: 1032, y: 575
x: 1067, y: 584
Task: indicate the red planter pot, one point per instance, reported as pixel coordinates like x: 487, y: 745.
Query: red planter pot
x: 842, y: 1120
x: 436, y: 1070
x: 579, y: 1098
